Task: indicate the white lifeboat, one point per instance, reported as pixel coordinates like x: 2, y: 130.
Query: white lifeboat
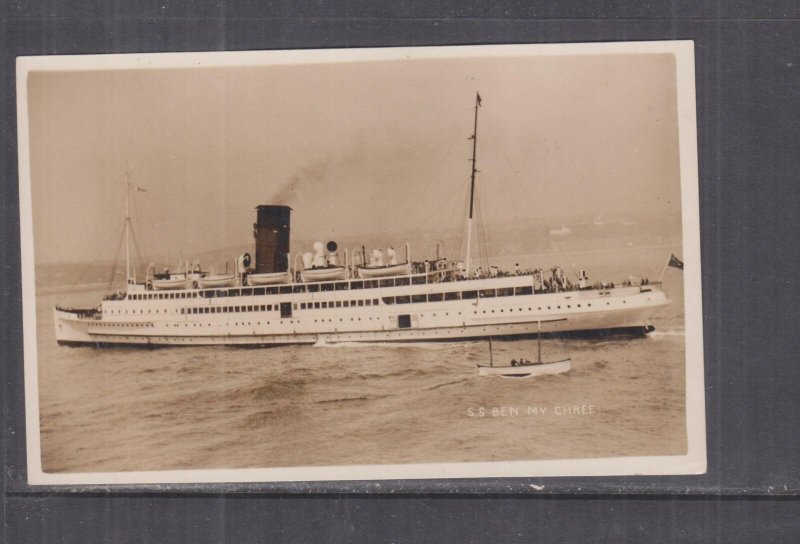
x: 382, y: 271
x: 269, y: 278
x: 166, y: 284
x: 216, y: 280
x: 331, y: 273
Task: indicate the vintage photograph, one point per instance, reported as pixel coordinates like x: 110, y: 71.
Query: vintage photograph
x: 361, y: 264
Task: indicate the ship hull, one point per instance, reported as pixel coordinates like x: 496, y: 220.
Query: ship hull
x: 285, y: 319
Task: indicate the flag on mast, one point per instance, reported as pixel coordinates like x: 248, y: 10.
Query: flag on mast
x: 479, y: 99
x: 675, y: 262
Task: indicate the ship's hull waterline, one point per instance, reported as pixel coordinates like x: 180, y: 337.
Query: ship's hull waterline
x: 359, y: 315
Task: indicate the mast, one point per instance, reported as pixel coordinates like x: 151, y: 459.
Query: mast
x: 539, y: 340
x: 127, y: 229
x: 474, y: 139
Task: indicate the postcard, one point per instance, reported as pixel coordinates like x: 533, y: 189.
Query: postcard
x: 361, y: 264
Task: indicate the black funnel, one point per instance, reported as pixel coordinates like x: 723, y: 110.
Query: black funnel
x: 272, y: 238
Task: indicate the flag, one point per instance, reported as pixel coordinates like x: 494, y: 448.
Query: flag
x: 479, y: 99
x: 675, y: 262
x: 141, y: 189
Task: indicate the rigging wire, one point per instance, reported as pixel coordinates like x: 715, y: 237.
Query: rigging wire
x: 116, y: 261
x: 540, y: 219
x: 103, y: 247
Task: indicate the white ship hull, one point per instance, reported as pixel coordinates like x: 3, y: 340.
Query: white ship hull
x: 355, y: 315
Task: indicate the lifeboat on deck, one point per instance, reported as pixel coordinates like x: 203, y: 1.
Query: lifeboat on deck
x: 269, y: 278
x: 167, y: 284
x: 331, y: 273
x: 216, y: 280
x: 383, y: 271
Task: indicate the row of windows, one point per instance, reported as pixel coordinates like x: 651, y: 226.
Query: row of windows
x: 432, y: 297
x: 163, y: 296
x: 462, y: 295
x: 337, y: 304
x: 301, y: 288
x: 228, y: 309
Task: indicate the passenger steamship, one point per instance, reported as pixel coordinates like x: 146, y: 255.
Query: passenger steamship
x: 373, y: 297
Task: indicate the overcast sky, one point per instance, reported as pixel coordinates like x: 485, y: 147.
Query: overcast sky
x: 352, y: 147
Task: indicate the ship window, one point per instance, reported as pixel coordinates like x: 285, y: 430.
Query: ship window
x: 487, y: 293
x: 249, y: 308
x: 403, y: 300
x: 326, y: 287
x: 418, y: 298
x: 360, y: 302
x: 403, y: 321
x: 401, y: 281
x: 346, y: 303
x: 295, y: 305
x: 338, y: 303
x: 371, y: 284
x: 523, y: 290
x: 505, y: 292
x: 298, y: 288
x: 387, y: 283
x: 375, y: 301
x: 323, y: 304
x: 341, y: 285
x: 435, y: 297
x: 469, y: 294
x: 269, y: 307
x: 285, y: 289
x: 224, y: 309
x: 418, y: 280
x: 271, y: 290
x: 236, y: 308
x: 316, y: 305
x: 313, y: 288
x: 453, y: 296
x: 302, y: 305
x: 247, y: 292
x: 360, y: 284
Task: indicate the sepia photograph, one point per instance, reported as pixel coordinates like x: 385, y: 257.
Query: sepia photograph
x: 361, y: 264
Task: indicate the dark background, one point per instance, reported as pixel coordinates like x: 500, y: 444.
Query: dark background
x: 748, y: 90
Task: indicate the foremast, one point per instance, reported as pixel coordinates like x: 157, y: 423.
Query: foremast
x: 474, y: 139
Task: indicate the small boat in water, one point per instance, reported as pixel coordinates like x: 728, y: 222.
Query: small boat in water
x: 270, y: 278
x: 216, y: 280
x: 524, y: 368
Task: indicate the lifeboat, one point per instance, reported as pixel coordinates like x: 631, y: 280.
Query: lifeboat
x: 216, y: 280
x: 382, y: 271
x: 270, y: 278
x: 167, y: 284
x: 331, y: 273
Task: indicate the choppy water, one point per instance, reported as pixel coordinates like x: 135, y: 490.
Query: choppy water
x: 182, y: 408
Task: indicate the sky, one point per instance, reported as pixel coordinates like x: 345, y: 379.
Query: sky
x: 352, y: 147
